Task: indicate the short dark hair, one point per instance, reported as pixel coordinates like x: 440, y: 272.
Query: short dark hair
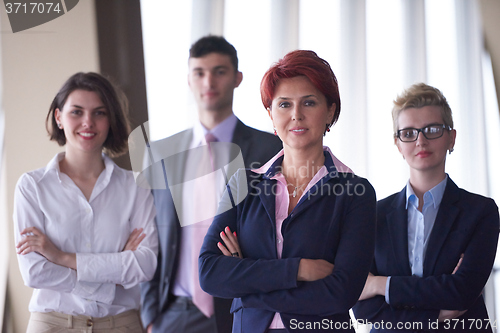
x: 113, y: 99
x: 214, y: 44
x: 302, y: 63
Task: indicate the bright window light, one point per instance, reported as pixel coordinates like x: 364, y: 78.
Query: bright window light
x: 247, y: 27
x: 385, y: 80
x: 166, y: 29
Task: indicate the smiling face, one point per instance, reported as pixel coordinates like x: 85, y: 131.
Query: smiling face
x: 300, y: 113
x: 423, y: 155
x: 85, y: 122
x: 212, y: 79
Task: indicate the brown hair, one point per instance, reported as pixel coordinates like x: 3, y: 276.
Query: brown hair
x: 113, y: 99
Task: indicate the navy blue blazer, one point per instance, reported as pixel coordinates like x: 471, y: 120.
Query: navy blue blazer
x: 256, y: 147
x: 335, y: 221
x: 466, y: 223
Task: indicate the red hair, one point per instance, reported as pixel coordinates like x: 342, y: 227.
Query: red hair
x: 302, y: 63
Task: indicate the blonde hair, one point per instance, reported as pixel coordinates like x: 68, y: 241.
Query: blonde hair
x: 417, y: 96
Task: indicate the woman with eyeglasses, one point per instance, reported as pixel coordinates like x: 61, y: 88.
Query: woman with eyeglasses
x: 436, y: 242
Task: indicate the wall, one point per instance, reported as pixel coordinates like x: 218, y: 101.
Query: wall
x: 35, y: 63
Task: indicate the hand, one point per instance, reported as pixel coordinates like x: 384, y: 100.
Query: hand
x: 450, y: 314
x: 134, y: 240
x: 150, y: 328
x: 458, y: 264
x: 231, y: 244
x: 314, y: 269
x: 36, y: 241
x: 374, y: 286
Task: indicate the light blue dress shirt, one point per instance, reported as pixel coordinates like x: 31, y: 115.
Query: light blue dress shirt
x: 420, y: 225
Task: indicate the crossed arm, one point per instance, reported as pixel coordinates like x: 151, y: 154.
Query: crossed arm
x: 443, y: 295
x: 93, y: 276
x: 36, y: 241
x: 263, y: 281
x: 309, y: 269
x: 376, y: 286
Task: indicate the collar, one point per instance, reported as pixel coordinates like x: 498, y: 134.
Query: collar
x: 223, y: 131
x: 333, y: 165
x: 434, y: 195
x: 53, y: 166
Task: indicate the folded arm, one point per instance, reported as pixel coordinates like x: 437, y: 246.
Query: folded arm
x: 341, y: 289
x: 442, y: 296
x: 454, y: 291
x: 44, y: 266
x: 273, y: 284
x: 36, y: 270
x: 127, y: 268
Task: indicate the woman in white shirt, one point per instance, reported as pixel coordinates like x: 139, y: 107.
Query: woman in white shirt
x: 84, y: 231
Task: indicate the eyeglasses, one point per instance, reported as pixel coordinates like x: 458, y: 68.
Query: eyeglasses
x: 430, y: 132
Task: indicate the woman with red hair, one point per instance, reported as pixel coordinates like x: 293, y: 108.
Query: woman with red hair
x: 305, y: 222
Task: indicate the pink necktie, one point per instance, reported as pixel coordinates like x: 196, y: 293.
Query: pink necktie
x: 204, y: 200
x: 209, y: 138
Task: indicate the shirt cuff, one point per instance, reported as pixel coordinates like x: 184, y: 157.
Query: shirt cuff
x: 387, y: 290
x: 100, y: 268
x: 98, y: 292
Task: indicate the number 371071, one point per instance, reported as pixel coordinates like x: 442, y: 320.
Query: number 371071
x: 32, y: 7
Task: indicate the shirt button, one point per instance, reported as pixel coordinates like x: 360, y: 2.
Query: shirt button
x: 279, y: 240
x: 88, y: 210
x: 88, y: 245
x: 416, y: 259
x: 419, y: 238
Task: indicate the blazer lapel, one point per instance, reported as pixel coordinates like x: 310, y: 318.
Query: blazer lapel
x: 397, y: 222
x: 445, y: 218
x: 268, y: 201
x: 313, y: 195
x: 241, y: 137
x: 183, y: 145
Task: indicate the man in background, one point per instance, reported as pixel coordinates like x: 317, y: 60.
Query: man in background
x: 173, y: 301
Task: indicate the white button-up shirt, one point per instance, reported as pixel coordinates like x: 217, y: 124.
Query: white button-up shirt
x: 106, y: 281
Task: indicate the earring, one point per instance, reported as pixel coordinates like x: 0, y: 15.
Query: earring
x: 59, y: 125
x: 275, y: 133
x: 450, y: 151
x: 328, y: 127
